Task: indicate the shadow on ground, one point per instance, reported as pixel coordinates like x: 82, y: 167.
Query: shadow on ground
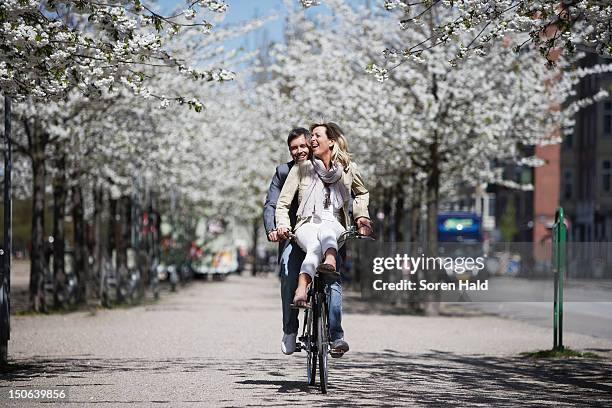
x: 359, y: 379
x: 352, y: 303
x: 447, y: 379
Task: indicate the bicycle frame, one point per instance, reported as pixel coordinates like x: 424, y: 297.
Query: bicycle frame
x: 315, y: 332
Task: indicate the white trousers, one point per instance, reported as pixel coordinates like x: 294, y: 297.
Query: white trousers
x: 315, y: 238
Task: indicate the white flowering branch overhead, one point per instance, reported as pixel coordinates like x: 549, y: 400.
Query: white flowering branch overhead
x: 52, y: 46
x: 552, y: 25
x: 309, y: 3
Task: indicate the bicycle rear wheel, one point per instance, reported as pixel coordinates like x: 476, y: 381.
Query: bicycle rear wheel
x: 322, y: 343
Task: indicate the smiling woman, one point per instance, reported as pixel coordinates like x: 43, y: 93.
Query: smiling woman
x: 325, y: 145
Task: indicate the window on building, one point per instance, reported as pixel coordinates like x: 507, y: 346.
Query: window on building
x: 607, y: 118
x: 492, y: 206
x: 567, y: 184
x: 526, y: 175
x: 605, y: 175
x: 592, y: 126
x: 568, y: 141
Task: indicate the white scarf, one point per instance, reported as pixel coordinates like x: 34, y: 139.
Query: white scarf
x: 313, y: 200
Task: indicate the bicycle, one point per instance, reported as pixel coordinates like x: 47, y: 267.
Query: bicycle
x: 108, y: 283
x: 315, y: 328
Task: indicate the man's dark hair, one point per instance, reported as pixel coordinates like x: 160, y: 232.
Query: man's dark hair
x: 297, y: 132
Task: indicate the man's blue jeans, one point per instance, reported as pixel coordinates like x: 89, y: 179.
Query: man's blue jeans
x: 291, y: 260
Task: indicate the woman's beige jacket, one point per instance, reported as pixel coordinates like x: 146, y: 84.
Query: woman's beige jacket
x: 300, y: 177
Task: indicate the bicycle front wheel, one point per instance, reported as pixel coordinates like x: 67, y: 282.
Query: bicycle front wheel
x: 311, y: 353
x: 322, y: 343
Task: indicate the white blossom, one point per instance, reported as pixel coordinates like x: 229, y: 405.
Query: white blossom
x: 87, y: 44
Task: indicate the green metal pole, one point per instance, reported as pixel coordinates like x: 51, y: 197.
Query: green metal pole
x: 555, y: 237
x: 561, y: 269
x: 558, y: 257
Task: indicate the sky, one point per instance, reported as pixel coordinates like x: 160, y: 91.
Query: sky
x: 243, y: 10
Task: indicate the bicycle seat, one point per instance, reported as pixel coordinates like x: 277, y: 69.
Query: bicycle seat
x: 327, y: 270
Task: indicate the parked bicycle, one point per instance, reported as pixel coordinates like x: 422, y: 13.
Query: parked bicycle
x: 63, y: 288
x: 67, y: 293
x: 109, y: 283
x: 315, y: 328
x: 130, y: 286
x: 154, y: 278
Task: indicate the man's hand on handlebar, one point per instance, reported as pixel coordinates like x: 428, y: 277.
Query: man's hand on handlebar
x: 364, y: 226
x: 282, y: 233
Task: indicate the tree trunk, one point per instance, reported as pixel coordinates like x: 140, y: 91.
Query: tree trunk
x: 158, y: 235
x: 387, y: 211
x: 415, y: 298
x: 432, y: 194
x: 112, y: 228
x: 100, y: 242
x: 81, y: 265
x: 122, y: 237
x: 130, y: 241
x: 37, y: 267
x: 127, y: 222
x: 399, y: 212
x: 254, y: 250
x: 59, y: 242
x: 415, y: 214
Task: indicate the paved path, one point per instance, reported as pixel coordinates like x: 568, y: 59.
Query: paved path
x: 217, y: 344
x: 592, y: 318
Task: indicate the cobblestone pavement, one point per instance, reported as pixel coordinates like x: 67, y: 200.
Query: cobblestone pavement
x: 218, y: 344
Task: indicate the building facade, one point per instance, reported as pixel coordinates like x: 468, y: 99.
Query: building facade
x: 586, y: 162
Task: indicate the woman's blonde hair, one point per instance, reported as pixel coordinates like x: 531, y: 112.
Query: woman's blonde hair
x: 340, y: 151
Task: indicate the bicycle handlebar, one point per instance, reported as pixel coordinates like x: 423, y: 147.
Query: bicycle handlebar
x: 351, y: 233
